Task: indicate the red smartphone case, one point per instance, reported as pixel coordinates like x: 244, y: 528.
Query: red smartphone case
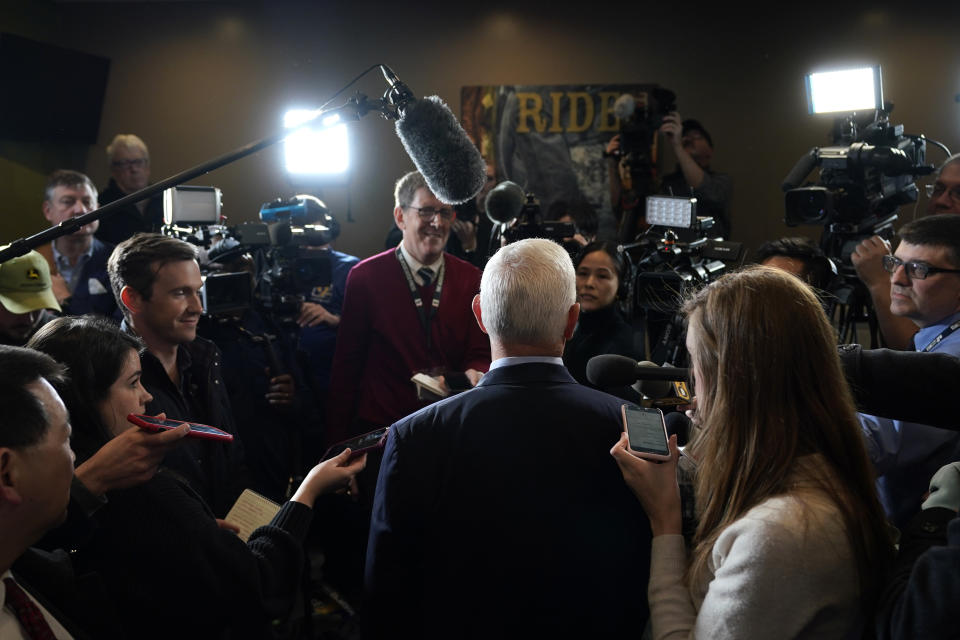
x: 197, y: 430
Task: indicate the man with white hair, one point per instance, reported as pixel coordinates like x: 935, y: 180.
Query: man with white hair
x: 496, y: 513
x: 130, y: 171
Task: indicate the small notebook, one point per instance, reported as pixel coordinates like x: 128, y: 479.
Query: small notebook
x: 429, y: 388
x: 250, y: 511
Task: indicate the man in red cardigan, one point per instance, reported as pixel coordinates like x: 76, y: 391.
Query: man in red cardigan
x: 405, y: 311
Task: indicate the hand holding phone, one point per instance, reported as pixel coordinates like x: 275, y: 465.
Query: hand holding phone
x: 359, y: 445
x: 155, y: 423
x: 646, y: 432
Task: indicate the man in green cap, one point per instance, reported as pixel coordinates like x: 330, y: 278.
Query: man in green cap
x: 26, y: 293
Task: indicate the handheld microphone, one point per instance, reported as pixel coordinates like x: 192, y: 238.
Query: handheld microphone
x: 664, y: 393
x: 439, y: 147
x: 610, y: 370
x: 505, y: 202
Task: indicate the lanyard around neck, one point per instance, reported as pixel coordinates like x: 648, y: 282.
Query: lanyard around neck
x: 939, y: 338
x: 425, y: 315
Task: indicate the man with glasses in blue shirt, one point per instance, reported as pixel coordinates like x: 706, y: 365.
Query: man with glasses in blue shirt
x: 924, y: 287
x: 944, y: 197
x: 130, y: 171
x: 405, y: 311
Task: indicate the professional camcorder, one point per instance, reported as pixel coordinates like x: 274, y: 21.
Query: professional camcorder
x: 270, y: 264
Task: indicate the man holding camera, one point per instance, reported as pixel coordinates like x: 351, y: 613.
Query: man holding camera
x: 405, y: 311
x: 867, y: 258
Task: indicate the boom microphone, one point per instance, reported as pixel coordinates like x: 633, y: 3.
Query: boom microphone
x: 439, y: 147
x: 505, y: 202
x: 610, y: 370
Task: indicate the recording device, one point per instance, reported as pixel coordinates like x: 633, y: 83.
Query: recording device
x: 439, y: 147
x: 868, y: 172
x: 663, y: 393
x: 639, y: 122
x: 646, y: 432
x: 611, y: 370
x: 268, y: 265
x: 518, y: 216
x: 359, y: 445
x: 205, y: 431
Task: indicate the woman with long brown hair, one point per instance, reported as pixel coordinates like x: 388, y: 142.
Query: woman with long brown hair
x: 791, y: 540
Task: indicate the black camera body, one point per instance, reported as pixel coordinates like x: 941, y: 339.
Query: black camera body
x: 861, y: 182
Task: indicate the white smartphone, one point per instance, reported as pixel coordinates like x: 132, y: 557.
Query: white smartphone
x: 646, y: 432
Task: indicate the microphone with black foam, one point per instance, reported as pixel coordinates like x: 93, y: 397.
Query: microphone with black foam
x: 505, y: 202
x: 664, y: 393
x: 439, y: 147
x: 611, y: 370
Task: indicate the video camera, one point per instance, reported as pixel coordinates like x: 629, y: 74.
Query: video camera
x: 516, y: 215
x: 639, y: 124
x: 268, y: 264
x: 865, y: 176
x: 665, y: 269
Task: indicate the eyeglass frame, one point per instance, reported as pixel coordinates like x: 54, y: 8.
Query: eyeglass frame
x: 933, y: 192
x: 892, y: 262
x: 139, y: 163
x: 430, y: 217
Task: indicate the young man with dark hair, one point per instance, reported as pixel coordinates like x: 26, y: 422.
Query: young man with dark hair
x: 156, y: 280
x: 799, y: 256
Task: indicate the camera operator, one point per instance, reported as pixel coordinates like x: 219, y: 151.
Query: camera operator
x: 925, y: 288
x: 867, y: 257
x: 693, y: 148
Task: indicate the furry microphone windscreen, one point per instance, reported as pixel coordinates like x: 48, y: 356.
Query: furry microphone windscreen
x: 441, y: 150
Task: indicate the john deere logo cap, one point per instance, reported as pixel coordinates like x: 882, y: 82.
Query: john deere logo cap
x: 25, y: 284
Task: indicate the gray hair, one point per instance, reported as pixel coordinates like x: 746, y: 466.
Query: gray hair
x: 526, y: 292
x: 407, y: 187
x: 127, y: 141
x: 67, y: 178
x: 955, y: 158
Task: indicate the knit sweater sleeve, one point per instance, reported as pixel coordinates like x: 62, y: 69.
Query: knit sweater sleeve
x: 784, y: 570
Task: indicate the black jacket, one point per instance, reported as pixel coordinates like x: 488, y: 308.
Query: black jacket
x: 127, y: 221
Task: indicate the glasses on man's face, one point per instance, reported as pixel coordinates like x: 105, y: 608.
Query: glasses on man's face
x: 137, y: 163
x: 427, y: 214
x: 915, y: 270
x: 937, y: 189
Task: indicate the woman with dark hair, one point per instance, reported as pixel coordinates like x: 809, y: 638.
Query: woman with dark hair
x: 601, y: 274
x: 171, y: 570
x: 791, y: 540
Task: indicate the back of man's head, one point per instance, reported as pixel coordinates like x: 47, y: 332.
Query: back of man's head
x: 526, y: 293
x: 941, y: 230
x: 135, y: 261
x: 25, y: 421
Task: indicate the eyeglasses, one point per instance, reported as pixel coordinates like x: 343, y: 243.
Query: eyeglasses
x: 427, y: 214
x: 137, y: 163
x: 937, y: 189
x: 915, y: 270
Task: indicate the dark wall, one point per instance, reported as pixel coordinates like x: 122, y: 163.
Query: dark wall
x: 197, y: 79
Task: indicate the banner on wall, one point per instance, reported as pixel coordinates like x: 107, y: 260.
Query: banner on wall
x: 550, y: 139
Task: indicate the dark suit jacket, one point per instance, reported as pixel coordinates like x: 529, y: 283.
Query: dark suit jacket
x: 500, y: 513
x: 78, y: 601
x: 83, y: 301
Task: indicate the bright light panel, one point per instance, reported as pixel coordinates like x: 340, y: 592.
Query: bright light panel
x: 318, y: 149
x: 845, y: 90
x: 668, y: 211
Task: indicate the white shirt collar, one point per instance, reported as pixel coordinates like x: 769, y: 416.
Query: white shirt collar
x: 509, y: 361
x: 415, y: 265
